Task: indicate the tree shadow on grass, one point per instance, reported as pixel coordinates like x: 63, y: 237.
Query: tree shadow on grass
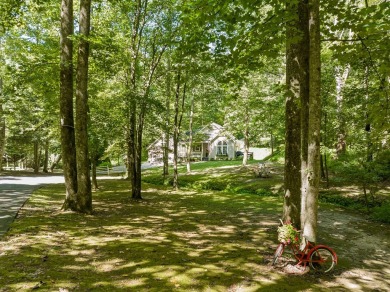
x: 170, y: 241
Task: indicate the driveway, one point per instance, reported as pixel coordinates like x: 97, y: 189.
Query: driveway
x: 15, y: 190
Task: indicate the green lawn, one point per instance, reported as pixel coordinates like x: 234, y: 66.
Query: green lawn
x: 189, y: 240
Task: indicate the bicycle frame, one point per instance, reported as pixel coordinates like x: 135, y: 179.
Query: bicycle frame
x: 303, y: 256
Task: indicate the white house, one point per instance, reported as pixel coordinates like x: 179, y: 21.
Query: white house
x: 211, y: 142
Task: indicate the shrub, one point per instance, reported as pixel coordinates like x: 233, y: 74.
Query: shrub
x: 382, y: 213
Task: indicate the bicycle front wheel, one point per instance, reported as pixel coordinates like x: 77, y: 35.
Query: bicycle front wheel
x: 322, y: 260
x: 278, y: 253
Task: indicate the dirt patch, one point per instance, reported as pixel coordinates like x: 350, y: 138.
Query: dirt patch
x: 362, y: 246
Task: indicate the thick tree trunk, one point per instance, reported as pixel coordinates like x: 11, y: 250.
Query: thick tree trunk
x: 296, y: 79
x: 312, y: 173
x: 66, y: 106
x: 305, y: 101
x: 84, y: 193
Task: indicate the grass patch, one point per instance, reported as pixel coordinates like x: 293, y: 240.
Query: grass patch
x: 226, y: 176
x: 169, y: 241
x: 195, y: 239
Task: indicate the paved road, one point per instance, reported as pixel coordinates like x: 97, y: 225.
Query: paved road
x: 15, y: 190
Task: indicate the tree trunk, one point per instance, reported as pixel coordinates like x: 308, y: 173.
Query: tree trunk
x: 246, y: 146
x: 322, y: 167
x: 176, y: 133
x: 305, y: 103
x: 177, y: 125
x: 136, y: 193
x: 296, y: 68
x: 131, y: 146
x: 55, y: 162
x: 312, y: 173
x: 368, y: 123
x: 167, y: 121
x: 46, y: 160
x: 36, y: 156
x: 326, y: 170
x: 95, y: 185
x: 66, y: 106
x: 341, y: 78
x: 189, y: 148
x: 84, y: 193
x: 246, y: 136
x: 2, y: 125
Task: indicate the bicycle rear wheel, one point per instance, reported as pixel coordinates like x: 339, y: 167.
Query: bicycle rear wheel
x: 322, y: 260
x: 278, y: 253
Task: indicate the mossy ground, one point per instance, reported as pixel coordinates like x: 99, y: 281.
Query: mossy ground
x: 187, y: 240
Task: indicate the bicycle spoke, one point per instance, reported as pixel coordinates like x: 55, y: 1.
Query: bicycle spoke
x: 322, y: 260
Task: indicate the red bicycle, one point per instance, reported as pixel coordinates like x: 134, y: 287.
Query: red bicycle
x: 320, y: 258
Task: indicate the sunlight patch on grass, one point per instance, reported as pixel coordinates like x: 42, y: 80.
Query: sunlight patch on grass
x: 108, y: 266
x: 75, y: 267
x: 127, y: 283
x: 82, y: 252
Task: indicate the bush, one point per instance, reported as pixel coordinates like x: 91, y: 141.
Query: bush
x: 338, y: 200
x: 382, y: 213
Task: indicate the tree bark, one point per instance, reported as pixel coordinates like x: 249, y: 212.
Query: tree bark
x: 66, y: 106
x: 189, y: 148
x: 296, y: 74
x: 95, y: 185
x: 2, y: 125
x: 177, y: 125
x: 166, y: 135
x: 84, y: 193
x: 341, y: 79
x: 131, y: 146
x: 368, y: 122
x: 55, y: 162
x: 136, y: 193
x: 36, y: 156
x: 176, y: 133
x: 305, y: 101
x: 246, y: 133
x: 312, y: 173
x: 46, y: 159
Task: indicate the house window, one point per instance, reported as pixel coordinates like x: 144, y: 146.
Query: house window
x: 222, y: 148
x: 196, y: 148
